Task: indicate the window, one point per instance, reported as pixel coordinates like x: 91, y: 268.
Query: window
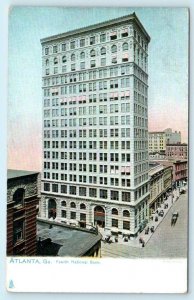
x: 92, y: 63
x: 114, y: 195
x: 82, y: 55
x: 125, y: 46
x: 72, y: 205
x: 18, y: 196
x: 103, y: 38
x: 82, y: 191
x: 64, y: 59
x: 113, y: 36
x: 126, y: 196
x: 63, y: 214
x: 82, y: 42
x: 55, y: 188
x: 92, y: 40
x: 63, y: 189
x: 46, y: 51
x: 72, y: 190
x: 114, y: 49
x: 103, y: 194
x: 73, y: 215
x: 126, y: 225
x: 92, y: 53
x: 103, y: 51
x: 63, y: 47
x: 55, y: 61
x: 126, y: 213
x: 83, y: 217
x: 54, y: 49
x: 72, y: 45
x: 82, y: 206
x: 63, y: 203
x: 46, y: 187
x: 82, y: 65
x: 114, y: 223
x: 73, y: 57
x: 18, y: 231
x: 114, y: 211
x: 92, y: 192
x: 124, y: 33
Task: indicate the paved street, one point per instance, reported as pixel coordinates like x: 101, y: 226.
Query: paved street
x: 167, y: 240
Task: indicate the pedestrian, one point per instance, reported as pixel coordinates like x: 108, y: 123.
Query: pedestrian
x: 143, y: 244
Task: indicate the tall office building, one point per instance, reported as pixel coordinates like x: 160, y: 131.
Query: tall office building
x: 95, y: 110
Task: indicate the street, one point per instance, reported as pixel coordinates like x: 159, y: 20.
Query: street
x: 166, y: 241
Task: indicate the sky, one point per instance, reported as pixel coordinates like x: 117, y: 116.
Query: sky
x: 168, y: 70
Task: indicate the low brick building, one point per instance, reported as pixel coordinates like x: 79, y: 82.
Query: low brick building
x: 22, y: 208
x: 160, y: 184
x: 177, y: 151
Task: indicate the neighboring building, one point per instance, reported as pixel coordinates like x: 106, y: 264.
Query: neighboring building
x: 157, y: 156
x: 62, y: 240
x: 180, y: 171
x: 22, y: 206
x: 172, y: 137
x: 95, y: 87
x: 158, y: 140
x: 176, y: 151
x: 160, y: 184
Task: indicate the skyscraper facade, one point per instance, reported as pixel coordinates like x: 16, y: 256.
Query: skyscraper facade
x: 95, y: 128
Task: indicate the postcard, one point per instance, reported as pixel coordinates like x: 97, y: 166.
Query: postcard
x: 97, y: 179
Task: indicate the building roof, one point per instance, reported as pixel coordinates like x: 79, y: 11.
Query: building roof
x: 71, y: 242
x: 116, y: 21
x: 177, y: 144
x: 19, y: 173
x: 156, y: 132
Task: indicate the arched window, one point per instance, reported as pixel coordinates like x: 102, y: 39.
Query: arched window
x: 125, y: 46
x: 18, y: 196
x: 114, y: 211
x: 47, y: 62
x: 82, y: 206
x: 103, y: 51
x: 72, y: 205
x: 82, y: 55
x: 126, y: 213
x: 92, y: 53
x: 114, y: 49
x: 55, y: 61
x: 73, y: 57
x: 63, y: 203
x: 64, y: 59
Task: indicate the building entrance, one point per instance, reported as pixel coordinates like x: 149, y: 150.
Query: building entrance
x: 99, y: 216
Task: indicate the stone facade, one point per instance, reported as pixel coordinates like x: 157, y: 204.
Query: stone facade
x: 95, y: 109
x: 160, y: 183
x: 22, y: 207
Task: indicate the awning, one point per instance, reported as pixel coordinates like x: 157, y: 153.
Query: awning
x: 126, y: 231
x: 116, y: 95
x: 126, y: 55
x: 114, y: 229
x: 127, y: 93
x: 113, y: 33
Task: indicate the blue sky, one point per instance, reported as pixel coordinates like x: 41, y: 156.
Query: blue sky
x: 168, y: 70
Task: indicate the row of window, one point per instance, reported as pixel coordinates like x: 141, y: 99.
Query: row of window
x: 124, y: 182
x: 122, y: 145
x: 86, y: 65
x: 92, y: 192
x: 88, y: 75
x: 96, y: 39
x: 123, y: 157
x: 82, y: 55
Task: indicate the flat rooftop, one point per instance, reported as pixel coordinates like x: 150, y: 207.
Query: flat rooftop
x: 66, y: 241
x: 19, y: 173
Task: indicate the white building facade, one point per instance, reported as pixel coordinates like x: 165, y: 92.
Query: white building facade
x: 95, y: 129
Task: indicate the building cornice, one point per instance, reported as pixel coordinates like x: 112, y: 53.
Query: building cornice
x: 94, y: 27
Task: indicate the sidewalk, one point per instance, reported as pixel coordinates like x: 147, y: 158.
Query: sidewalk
x: 146, y: 237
